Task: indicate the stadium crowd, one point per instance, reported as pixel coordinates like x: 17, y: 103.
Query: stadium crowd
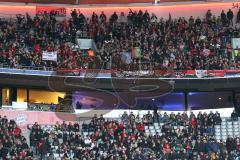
x: 13, y: 145
x: 181, y: 137
x: 180, y: 44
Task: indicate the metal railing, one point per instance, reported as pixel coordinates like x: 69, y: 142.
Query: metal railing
x: 4, y: 65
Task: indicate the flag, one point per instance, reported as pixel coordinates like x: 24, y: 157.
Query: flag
x: 126, y: 57
x: 136, y: 52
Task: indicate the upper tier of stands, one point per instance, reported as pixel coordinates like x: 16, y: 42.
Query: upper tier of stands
x: 178, y: 44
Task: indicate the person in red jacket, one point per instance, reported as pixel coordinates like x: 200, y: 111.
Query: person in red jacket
x: 193, y: 122
x: 141, y: 127
x: 17, y: 131
x: 166, y: 148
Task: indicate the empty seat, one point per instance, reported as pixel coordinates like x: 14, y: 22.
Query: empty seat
x: 230, y: 129
x: 235, y: 122
x: 224, y: 133
x: 223, y: 127
x: 153, y: 131
x: 217, y: 133
x: 217, y: 126
x: 151, y: 127
x: 235, y: 126
x: 217, y: 130
x: 56, y: 155
x: 236, y: 133
x: 218, y: 137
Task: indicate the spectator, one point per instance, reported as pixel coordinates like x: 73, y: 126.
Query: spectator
x: 180, y: 49
x: 133, y: 141
x: 230, y: 16
x: 12, y: 144
x: 238, y: 16
x: 223, y: 17
x: 234, y: 116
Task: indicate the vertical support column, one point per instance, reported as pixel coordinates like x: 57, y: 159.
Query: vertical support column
x: 236, y: 103
x: 12, y: 95
x: 234, y: 98
x: 186, y: 107
x: 27, y: 97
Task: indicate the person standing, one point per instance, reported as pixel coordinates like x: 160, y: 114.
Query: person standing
x: 230, y: 16
x: 238, y: 16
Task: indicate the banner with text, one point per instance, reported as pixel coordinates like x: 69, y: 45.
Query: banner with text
x: 58, y: 11
x: 152, y: 74
x: 49, y: 56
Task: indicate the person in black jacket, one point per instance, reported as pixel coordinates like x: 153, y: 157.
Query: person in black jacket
x: 230, y: 16
x: 3, y: 152
x: 234, y: 116
x: 223, y: 17
x: 231, y: 145
x: 238, y: 16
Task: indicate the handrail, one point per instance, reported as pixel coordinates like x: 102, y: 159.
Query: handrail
x: 99, y: 73
x: 42, y: 68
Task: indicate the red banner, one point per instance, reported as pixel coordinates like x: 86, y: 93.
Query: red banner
x: 235, y: 71
x: 59, y: 11
x: 155, y: 73
x: 215, y: 73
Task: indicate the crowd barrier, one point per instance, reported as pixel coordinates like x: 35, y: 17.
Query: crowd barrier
x: 23, y: 118
x: 151, y: 73
x: 99, y: 73
x: 26, y: 71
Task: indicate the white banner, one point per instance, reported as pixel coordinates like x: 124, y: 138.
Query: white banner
x: 84, y: 43
x: 235, y: 43
x: 49, y: 56
x: 201, y: 73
